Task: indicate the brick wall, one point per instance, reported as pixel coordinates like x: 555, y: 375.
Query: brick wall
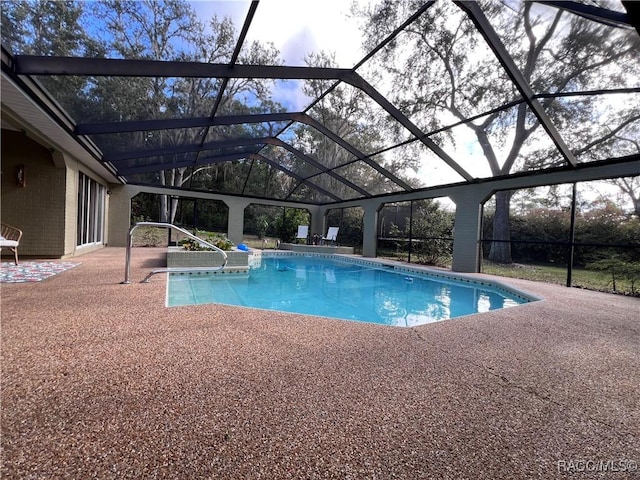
x: 38, y: 209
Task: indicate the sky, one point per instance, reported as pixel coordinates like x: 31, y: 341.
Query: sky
x: 296, y: 28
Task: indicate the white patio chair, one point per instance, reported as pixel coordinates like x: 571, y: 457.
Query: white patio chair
x: 303, y: 233
x: 332, y: 234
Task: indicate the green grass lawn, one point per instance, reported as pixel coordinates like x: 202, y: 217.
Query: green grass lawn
x: 590, y: 279
x: 581, y: 278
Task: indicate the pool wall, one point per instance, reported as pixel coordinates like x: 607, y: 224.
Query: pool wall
x: 237, y: 260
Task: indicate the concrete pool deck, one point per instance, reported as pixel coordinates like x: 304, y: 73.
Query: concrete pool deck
x: 100, y: 380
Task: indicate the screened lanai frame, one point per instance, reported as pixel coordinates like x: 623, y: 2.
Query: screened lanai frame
x: 274, y: 150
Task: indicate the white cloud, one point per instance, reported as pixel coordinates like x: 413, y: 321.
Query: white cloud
x: 295, y: 27
x: 298, y: 28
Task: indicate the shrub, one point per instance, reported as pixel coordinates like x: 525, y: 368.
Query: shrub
x: 195, y: 246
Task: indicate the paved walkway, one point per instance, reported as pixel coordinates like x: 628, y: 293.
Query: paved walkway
x: 100, y: 380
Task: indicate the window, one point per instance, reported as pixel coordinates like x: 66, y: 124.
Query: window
x: 91, y: 201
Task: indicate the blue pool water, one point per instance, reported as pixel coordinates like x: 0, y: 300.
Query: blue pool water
x: 341, y: 289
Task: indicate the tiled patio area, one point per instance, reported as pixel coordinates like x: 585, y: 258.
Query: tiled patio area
x: 100, y: 380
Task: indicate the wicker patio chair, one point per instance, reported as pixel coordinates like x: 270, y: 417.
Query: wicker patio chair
x: 10, y: 238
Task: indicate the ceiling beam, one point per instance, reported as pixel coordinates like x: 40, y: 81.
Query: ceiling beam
x: 258, y: 156
x: 164, y: 124
x: 354, y: 151
x: 189, y: 148
x: 279, y: 143
x: 175, y: 123
x: 633, y: 13
x: 592, y: 12
x: 232, y: 62
x: 118, y: 67
x: 158, y: 166
x: 38, y: 65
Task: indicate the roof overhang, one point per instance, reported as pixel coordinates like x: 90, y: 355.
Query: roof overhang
x: 26, y: 107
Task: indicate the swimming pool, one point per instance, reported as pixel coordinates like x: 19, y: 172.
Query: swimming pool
x: 343, y: 288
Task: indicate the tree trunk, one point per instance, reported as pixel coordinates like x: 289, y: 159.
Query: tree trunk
x: 500, y: 252
x: 164, y: 209
x: 178, y: 180
x: 169, y: 204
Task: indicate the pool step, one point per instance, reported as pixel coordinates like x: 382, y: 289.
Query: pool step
x: 241, y: 271
x: 206, y: 291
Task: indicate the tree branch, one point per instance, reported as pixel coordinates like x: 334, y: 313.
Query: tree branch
x: 445, y: 61
x: 521, y: 135
x: 565, y: 81
x: 535, y: 50
x: 487, y: 148
x: 606, y: 137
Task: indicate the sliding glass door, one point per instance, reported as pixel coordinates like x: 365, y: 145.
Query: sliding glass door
x: 91, y: 201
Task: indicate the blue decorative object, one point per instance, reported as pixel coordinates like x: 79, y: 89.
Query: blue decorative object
x: 243, y: 247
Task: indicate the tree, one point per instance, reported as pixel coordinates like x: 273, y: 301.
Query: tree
x: 443, y: 72
x: 169, y: 30
x: 422, y: 227
x: 433, y: 226
x: 52, y: 28
x: 630, y: 187
x: 287, y: 224
x: 154, y: 31
x: 43, y: 27
x: 350, y: 222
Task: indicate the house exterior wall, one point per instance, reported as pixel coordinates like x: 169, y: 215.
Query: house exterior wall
x: 119, y: 218
x: 38, y: 208
x: 46, y: 208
